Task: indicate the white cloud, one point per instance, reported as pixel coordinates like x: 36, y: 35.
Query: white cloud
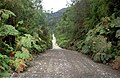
x: 54, y: 5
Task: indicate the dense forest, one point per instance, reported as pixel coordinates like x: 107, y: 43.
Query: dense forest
x: 23, y: 32
x: 91, y: 27
x: 54, y: 18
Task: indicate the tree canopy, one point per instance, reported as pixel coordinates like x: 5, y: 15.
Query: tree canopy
x: 23, y: 31
x: 91, y: 27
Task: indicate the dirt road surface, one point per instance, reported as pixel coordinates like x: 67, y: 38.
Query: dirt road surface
x: 60, y: 63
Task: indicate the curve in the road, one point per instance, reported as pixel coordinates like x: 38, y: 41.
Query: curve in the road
x: 54, y: 44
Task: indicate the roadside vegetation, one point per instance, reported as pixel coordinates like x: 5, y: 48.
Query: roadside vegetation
x: 23, y: 32
x: 93, y: 28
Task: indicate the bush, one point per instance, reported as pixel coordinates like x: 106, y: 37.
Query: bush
x: 16, y: 45
x: 99, y: 41
x: 4, y: 66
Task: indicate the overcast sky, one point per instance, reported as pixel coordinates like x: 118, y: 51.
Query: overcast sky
x: 54, y: 5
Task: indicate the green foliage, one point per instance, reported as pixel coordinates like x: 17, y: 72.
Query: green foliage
x: 5, y: 29
x: 5, y: 49
x: 100, y: 44
x: 115, y: 23
x: 71, y: 25
x: 95, y: 44
x: 99, y: 41
x: 8, y: 30
x: 86, y: 49
x: 23, y: 54
x: 34, y: 43
x: 39, y: 45
x: 16, y: 37
x: 117, y: 34
x: 93, y: 30
x: 26, y: 41
x: 101, y: 57
x: 79, y: 44
x: 20, y: 22
x: 106, y: 9
x: 4, y: 66
x: 5, y: 14
x: 62, y: 41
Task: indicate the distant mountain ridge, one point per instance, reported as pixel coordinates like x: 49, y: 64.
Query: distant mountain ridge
x: 58, y: 13
x: 55, y: 17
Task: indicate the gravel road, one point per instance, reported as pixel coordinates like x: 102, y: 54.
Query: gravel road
x: 60, y: 63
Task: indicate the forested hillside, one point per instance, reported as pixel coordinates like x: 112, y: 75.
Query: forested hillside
x: 54, y: 18
x: 23, y: 32
x: 93, y: 28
